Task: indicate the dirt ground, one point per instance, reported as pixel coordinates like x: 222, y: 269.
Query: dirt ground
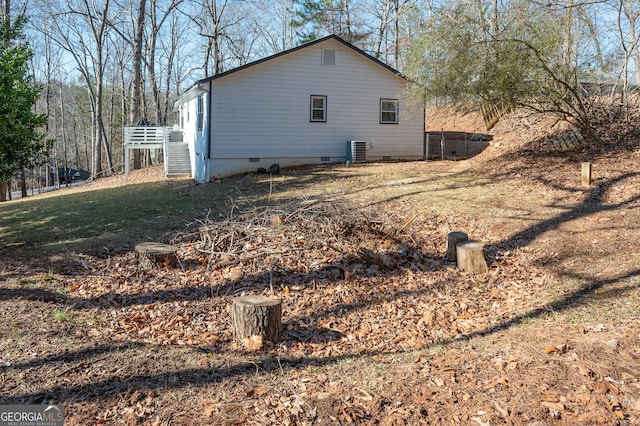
x: 549, y: 336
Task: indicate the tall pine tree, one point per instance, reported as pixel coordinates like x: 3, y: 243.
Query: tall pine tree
x: 318, y: 18
x: 22, y: 143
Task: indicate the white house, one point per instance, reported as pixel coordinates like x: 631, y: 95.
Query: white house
x: 302, y: 106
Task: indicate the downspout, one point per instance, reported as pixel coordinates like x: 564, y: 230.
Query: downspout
x: 207, y: 136
x: 209, y: 120
x: 425, y: 137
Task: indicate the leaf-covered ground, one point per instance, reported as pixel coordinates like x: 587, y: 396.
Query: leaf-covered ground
x: 549, y: 336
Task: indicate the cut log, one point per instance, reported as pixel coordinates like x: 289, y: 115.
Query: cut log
x: 257, y: 316
x: 453, y: 238
x: 471, y: 257
x: 586, y: 174
x: 151, y: 255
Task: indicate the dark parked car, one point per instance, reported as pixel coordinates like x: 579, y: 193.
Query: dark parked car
x: 68, y: 175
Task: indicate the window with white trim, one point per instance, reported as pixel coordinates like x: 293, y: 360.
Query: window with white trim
x: 200, y: 113
x: 388, y: 111
x: 318, y: 108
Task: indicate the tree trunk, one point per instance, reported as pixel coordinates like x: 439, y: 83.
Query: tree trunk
x: 257, y: 316
x: 4, y: 188
x: 23, y: 183
x: 396, y: 35
x: 567, y: 36
x: 382, y: 30
x: 136, y: 79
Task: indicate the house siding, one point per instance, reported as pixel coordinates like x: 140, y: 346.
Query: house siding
x: 189, y: 130
x: 193, y: 137
x: 263, y: 112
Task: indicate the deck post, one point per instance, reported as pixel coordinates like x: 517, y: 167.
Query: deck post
x: 126, y: 163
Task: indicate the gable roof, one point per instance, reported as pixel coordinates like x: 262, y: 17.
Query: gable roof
x: 300, y: 47
x: 199, y: 86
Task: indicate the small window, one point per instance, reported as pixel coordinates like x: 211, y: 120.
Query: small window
x: 389, y: 111
x: 329, y: 57
x: 318, y: 108
x: 200, y: 113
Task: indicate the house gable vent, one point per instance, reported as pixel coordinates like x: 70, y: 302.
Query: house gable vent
x: 329, y: 57
x: 357, y: 151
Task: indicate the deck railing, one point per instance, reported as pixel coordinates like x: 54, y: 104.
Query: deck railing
x: 143, y: 137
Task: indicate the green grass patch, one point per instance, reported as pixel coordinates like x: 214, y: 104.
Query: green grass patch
x: 107, y: 220
x: 61, y: 316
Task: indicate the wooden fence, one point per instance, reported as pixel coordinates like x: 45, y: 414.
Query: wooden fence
x: 565, y: 140
x: 492, y: 112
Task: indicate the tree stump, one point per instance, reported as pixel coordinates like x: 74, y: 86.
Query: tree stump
x: 586, y: 174
x: 257, y: 315
x: 151, y: 255
x: 453, y: 238
x: 471, y: 257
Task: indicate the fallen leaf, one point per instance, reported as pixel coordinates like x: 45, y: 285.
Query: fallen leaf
x: 504, y: 411
x: 260, y: 390
x: 557, y: 406
x: 585, y: 371
x: 252, y: 343
x: 364, y: 395
x: 480, y: 421
x: 605, y: 386
x: 616, y: 408
x: 210, y: 407
x: 562, y: 348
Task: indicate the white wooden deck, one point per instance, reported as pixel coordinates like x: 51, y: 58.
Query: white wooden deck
x: 155, y: 137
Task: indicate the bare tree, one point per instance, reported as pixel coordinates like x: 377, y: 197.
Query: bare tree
x: 157, y: 19
x: 272, y: 23
x: 630, y: 11
x: 80, y: 28
x: 212, y: 25
x: 137, y: 89
x: 395, y: 25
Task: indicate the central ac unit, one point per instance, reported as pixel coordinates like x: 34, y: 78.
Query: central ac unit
x: 357, y: 151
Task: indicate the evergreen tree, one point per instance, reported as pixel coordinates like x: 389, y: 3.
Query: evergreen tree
x: 318, y: 18
x: 22, y: 144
